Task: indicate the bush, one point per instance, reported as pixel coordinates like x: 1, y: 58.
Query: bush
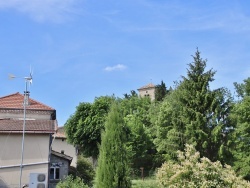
x: 84, y: 170
x: 146, y: 183
x: 192, y: 171
x: 70, y: 182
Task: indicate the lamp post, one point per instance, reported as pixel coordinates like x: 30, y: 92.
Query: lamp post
x: 25, y: 103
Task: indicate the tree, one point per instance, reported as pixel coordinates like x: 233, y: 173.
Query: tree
x: 138, y: 114
x: 139, y: 145
x: 160, y: 91
x: 241, y: 118
x: 84, y: 127
x: 197, y: 115
x: 192, y: 171
x: 133, y: 94
x: 113, y: 169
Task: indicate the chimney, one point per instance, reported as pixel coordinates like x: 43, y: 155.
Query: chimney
x: 26, y: 98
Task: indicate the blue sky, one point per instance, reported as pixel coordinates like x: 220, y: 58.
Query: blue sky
x: 82, y: 49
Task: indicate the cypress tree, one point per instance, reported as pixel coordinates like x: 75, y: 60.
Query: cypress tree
x: 113, y: 169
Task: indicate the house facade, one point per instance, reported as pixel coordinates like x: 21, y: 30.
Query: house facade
x: 61, y: 145
x: 59, y: 167
x: 147, y: 91
x: 40, y: 125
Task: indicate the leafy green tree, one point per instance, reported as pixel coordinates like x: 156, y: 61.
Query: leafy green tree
x: 139, y: 145
x: 243, y: 89
x: 113, y: 169
x: 139, y: 113
x: 84, y: 127
x: 71, y: 182
x: 195, y: 114
x: 241, y: 117
x: 192, y: 171
x: 133, y: 94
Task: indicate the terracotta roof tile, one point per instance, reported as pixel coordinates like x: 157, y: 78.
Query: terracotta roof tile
x: 60, y: 133
x: 147, y: 86
x: 32, y: 126
x: 15, y: 101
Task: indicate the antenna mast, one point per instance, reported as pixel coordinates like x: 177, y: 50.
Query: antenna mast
x: 28, y: 80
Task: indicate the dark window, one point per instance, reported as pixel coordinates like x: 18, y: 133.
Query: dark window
x: 54, y: 173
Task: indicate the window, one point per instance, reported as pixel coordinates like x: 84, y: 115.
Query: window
x: 54, y: 173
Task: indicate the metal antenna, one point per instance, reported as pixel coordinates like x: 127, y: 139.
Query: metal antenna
x: 25, y: 103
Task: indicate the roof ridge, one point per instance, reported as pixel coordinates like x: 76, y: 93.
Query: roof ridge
x: 150, y: 85
x: 42, y: 103
x: 34, y: 104
x: 9, y: 95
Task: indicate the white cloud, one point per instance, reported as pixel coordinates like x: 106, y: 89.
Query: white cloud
x: 42, y: 10
x: 116, y: 67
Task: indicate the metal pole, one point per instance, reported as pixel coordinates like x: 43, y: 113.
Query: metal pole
x: 24, y: 125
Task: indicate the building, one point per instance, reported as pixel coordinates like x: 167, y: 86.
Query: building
x: 40, y: 124
x: 61, y: 145
x: 59, y: 167
x: 147, y: 91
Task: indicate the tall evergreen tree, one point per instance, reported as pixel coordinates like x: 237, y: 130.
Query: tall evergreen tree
x: 113, y: 169
x: 160, y: 91
x: 195, y: 114
x: 241, y: 117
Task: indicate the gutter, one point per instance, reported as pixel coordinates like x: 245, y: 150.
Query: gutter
x: 28, y: 164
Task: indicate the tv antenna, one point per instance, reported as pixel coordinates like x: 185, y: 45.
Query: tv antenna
x: 28, y: 81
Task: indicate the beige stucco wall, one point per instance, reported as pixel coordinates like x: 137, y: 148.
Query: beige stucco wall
x: 36, y: 150
x: 147, y: 92
x: 61, y: 144
x: 9, y: 178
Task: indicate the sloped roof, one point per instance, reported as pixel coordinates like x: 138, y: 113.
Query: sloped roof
x: 31, y: 126
x: 15, y: 101
x: 147, y: 86
x: 61, y: 155
x: 60, y: 133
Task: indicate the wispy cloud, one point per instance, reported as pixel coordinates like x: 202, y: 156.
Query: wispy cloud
x: 115, y: 68
x: 45, y: 10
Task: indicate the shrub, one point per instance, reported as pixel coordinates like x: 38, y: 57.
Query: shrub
x: 70, y: 182
x: 146, y: 183
x: 84, y: 170
x: 192, y: 171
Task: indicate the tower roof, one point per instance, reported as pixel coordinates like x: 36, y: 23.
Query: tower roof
x: 147, y: 86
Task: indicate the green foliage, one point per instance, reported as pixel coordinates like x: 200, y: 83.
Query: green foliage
x: 160, y: 91
x: 139, y: 114
x: 71, y: 182
x: 84, y: 127
x: 195, y: 114
x: 84, y: 170
x: 113, y: 169
x: 139, y: 145
x: 145, y: 183
x: 241, y: 117
x: 191, y: 171
x: 243, y: 89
